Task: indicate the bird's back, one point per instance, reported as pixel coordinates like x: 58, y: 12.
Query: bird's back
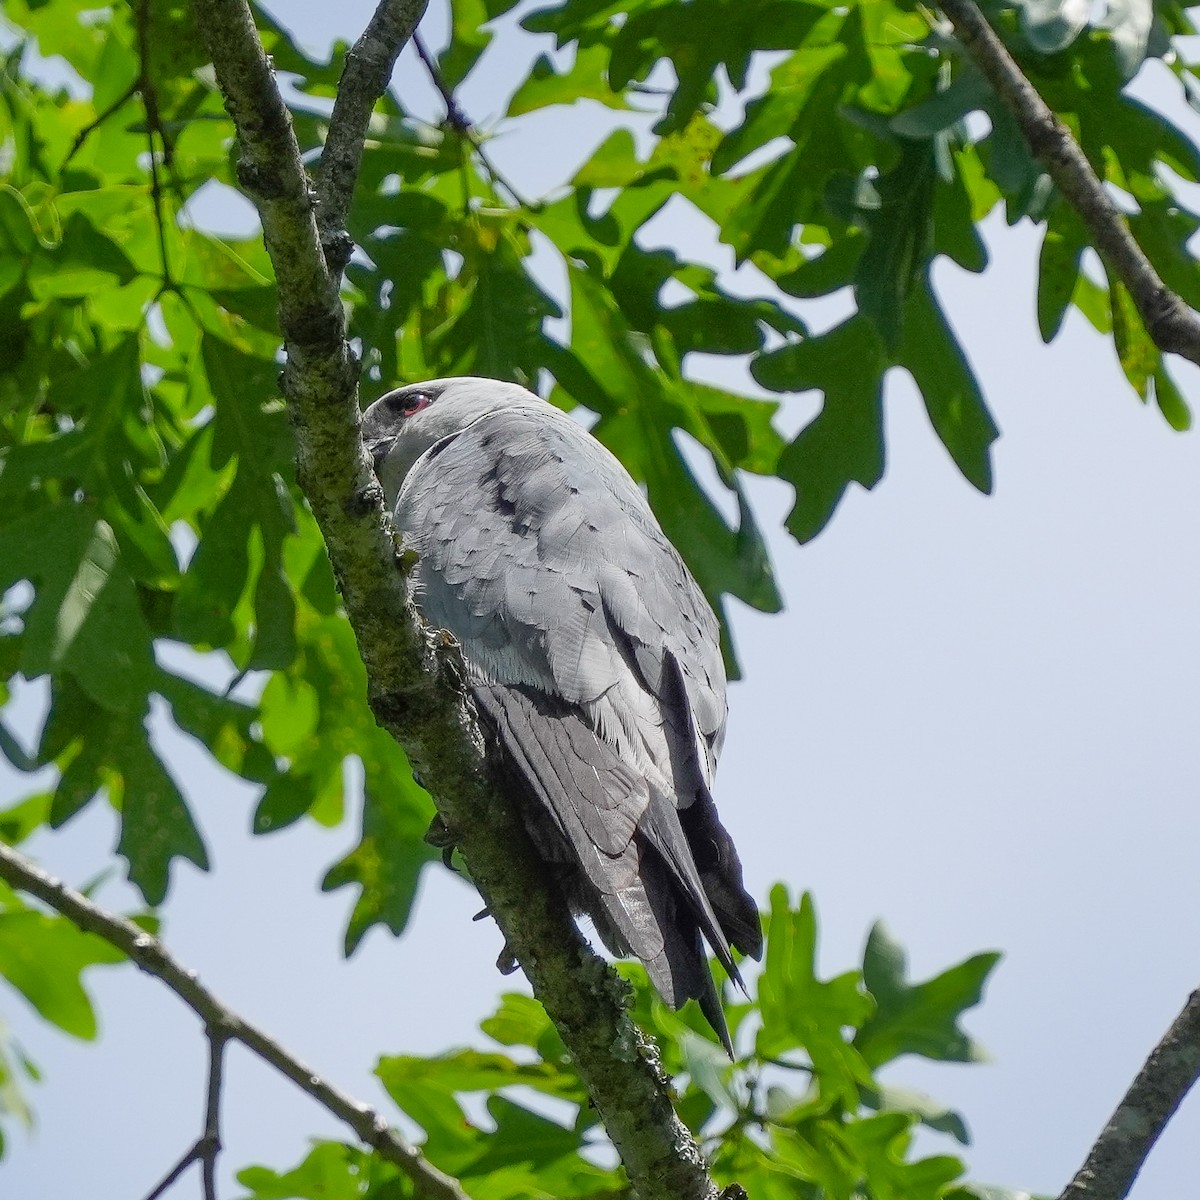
x: 596, y: 659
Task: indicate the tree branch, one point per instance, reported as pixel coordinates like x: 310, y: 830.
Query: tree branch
x: 365, y: 77
x: 1171, y: 324
x: 416, y: 687
x: 461, y: 124
x: 1167, y: 1076
x: 222, y: 1025
x: 209, y: 1145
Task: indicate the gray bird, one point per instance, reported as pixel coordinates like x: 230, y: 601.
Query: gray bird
x: 592, y: 655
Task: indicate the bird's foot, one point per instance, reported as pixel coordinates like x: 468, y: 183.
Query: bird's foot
x: 507, y: 963
x: 441, y: 837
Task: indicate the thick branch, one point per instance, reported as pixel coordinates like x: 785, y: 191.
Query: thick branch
x: 1172, y: 325
x: 1167, y: 1076
x: 223, y: 1026
x: 422, y: 708
x: 369, y: 66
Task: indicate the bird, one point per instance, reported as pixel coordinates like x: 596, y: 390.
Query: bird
x: 592, y: 657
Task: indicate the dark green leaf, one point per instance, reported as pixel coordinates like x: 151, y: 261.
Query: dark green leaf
x: 1058, y: 268
x: 85, y: 617
x: 918, y: 1018
x: 900, y: 241
x: 933, y: 357
x: 156, y: 826
x: 844, y: 442
x: 967, y: 93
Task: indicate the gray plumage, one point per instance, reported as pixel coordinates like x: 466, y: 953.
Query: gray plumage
x: 592, y: 655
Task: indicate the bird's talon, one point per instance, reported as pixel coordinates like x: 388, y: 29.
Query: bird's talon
x: 440, y: 835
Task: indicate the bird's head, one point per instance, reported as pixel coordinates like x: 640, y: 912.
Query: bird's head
x: 400, y: 426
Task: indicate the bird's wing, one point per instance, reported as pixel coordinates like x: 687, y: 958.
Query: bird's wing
x: 593, y: 653
x: 540, y: 554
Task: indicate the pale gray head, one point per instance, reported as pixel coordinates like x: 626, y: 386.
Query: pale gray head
x: 399, y: 427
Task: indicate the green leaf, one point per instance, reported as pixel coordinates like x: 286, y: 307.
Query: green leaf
x: 900, y: 241
x: 15, y: 1066
x: 469, y: 1071
x: 709, y: 1068
x: 331, y: 1171
x: 522, y: 1021
x: 386, y: 864
x: 85, y: 617
x: 1170, y: 400
x: 585, y: 79
x: 1058, y: 268
x: 218, y: 574
x: 84, y: 262
x: 525, y: 1138
x: 156, y: 826
x: 967, y: 92
x: 18, y: 229
x: 24, y: 818
x: 1138, y: 354
x: 499, y: 331
x: 43, y: 957
x: 782, y: 110
x: 881, y: 1145
x: 930, y: 1112
x: 614, y: 163
x: 918, y: 1018
x: 468, y: 40
x: 956, y: 408
x: 844, y: 442
x: 801, y: 1011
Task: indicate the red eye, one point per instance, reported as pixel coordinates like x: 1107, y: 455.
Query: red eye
x: 412, y: 402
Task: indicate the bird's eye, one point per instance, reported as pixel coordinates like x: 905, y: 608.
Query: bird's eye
x: 414, y: 402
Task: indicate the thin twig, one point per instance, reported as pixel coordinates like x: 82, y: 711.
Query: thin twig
x: 455, y: 117
x: 168, y: 1180
x: 222, y: 1026
x: 1172, y: 325
x: 368, y: 69
x: 209, y: 1144
x: 91, y: 127
x: 207, y: 1147
x: 145, y: 87
x: 461, y: 123
x: 1167, y: 1076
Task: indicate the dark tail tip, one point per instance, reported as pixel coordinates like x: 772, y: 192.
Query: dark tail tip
x: 714, y: 1014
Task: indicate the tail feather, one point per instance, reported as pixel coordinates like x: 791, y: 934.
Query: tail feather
x: 640, y: 877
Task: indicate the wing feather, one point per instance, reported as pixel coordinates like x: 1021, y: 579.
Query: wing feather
x: 596, y: 658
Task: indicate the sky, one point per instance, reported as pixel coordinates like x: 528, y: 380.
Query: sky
x: 976, y: 719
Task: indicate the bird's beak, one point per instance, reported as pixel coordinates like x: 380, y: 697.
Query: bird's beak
x: 378, y: 450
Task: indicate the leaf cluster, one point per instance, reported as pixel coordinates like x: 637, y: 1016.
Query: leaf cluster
x: 801, y: 1113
